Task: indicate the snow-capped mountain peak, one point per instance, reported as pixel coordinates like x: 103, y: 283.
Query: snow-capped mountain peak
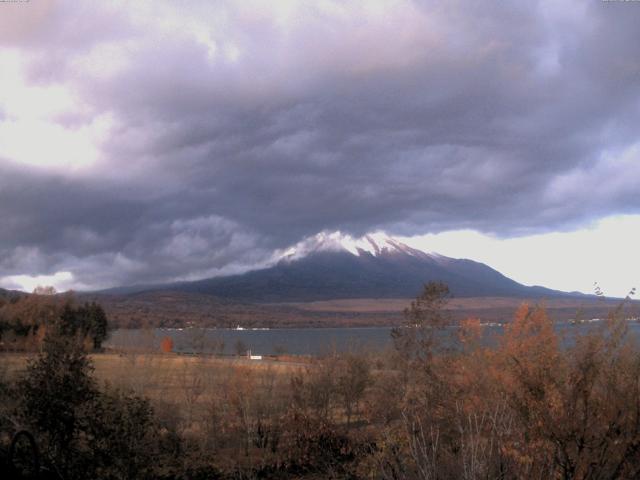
x: 374, y: 244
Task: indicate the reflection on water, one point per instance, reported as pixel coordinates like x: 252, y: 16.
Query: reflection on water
x: 298, y: 341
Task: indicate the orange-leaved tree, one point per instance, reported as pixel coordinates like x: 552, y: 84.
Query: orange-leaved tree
x: 166, y: 345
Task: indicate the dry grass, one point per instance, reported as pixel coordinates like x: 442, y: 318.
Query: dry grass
x: 213, y: 404
x: 488, y: 309
x: 478, y: 303
x: 168, y: 378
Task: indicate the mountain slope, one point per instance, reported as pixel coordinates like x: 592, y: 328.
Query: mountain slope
x: 368, y: 268
x: 9, y: 294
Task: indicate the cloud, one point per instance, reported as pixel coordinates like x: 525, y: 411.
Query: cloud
x: 27, y: 283
x: 174, y: 143
x: 601, y: 253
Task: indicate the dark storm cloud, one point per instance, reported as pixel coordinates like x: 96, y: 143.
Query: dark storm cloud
x: 236, y: 130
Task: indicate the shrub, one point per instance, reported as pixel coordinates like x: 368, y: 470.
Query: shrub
x: 84, y: 432
x: 56, y: 387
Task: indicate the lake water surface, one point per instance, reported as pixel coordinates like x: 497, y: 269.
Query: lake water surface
x: 297, y: 341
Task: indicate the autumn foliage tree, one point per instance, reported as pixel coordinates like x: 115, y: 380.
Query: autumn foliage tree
x: 530, y: 403
x: 166, y: 345
x: 25, y: 321
x: 577, y: 408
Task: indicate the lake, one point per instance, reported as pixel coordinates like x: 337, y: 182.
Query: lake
x: 297, y: 341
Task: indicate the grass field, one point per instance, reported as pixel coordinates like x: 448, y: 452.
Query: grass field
x: 173, y: 380
x: 488, y: 309
x: 471, y: 303
x: 213, y: 404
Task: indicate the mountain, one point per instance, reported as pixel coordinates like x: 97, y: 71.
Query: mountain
x: 9, y: 294
x: 336, y: 267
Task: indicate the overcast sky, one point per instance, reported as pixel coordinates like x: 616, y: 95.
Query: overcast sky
x: 154, y: 141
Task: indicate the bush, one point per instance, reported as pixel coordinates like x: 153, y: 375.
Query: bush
x: 84, y: 432
x: 120, y: 436
x: 56, y: 387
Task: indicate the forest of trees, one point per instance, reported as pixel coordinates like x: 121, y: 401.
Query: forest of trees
x: 26, y: 319
x: 531, y: 405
